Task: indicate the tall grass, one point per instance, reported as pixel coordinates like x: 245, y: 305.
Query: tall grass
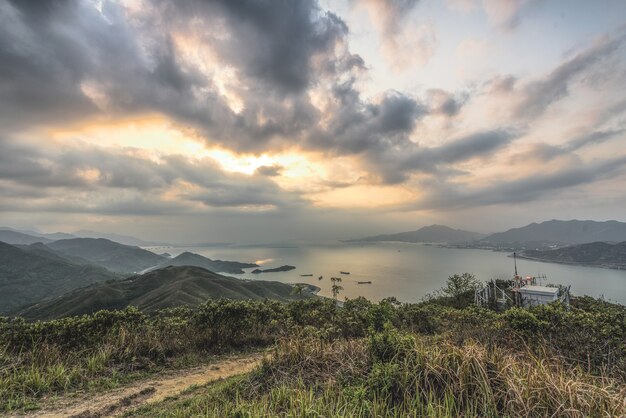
x: 392, y: 374
x: 109, y: 348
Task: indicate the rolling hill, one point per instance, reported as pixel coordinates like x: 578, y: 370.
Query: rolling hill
x: 598, y: 254
x: 563, y: 232
x: 433, y: 233
x: 163, y: 288
x: 29, y: 276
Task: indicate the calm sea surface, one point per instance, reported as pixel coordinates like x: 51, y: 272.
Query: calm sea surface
x: 406, y: 271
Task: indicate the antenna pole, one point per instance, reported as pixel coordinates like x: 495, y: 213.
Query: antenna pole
x: 515, y: 261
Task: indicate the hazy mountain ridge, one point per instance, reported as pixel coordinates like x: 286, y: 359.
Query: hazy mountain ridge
x: 563, y: 232
x: 29, y: 276
x: 163, y: 288
x: 598, y: 254
x: 12, y: 237
x: 432, y: 233
x: 119, y: 238
x: 108, y: 254
x: 218, y: 266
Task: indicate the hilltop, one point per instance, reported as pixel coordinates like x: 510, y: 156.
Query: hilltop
x: 163, y: 288
x: 432, y: 233
x: 598, y: 254
x: 29, y: 274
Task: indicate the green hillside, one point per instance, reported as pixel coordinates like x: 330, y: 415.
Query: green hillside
x: 163, y: 288
x: 29, y: 276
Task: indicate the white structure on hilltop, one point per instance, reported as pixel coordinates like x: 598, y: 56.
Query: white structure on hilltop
x: 522, y: 291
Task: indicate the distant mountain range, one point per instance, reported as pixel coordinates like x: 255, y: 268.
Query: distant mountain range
x: 599, y: 254
x: 32, y: 273
x: 433, y: 233
x: 562, y: 232
x: 163, y: 288
x: 122, y: 239
x: 18, y: 236
x: 535, y: 235
x: 108, y: 254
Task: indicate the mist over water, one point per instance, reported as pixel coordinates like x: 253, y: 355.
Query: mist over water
x: 407, y: 271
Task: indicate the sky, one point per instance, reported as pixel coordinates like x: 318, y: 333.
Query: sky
x: 285, y: 120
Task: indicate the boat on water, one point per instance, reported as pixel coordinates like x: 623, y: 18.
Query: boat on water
x: 367, y: 282
x: 344, y: 272
x: 306, y: 275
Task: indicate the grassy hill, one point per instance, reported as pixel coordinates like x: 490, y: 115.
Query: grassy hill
x: 163, y: 288
x: 108, y: 254
x: 29, y: 274
x: 218, y: 266
x: 362, y: 359
x: 433, y: 233
x: 599, y: 254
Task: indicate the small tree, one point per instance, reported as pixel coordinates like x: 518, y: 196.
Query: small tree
x: 460, y: 287
x: 336, y: 288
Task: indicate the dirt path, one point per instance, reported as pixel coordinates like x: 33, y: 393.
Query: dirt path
x: 155, y: 389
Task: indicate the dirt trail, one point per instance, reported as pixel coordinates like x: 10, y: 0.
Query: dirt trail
x: 155, y: 389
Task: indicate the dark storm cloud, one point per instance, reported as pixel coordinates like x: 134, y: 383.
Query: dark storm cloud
x: 539, y: 95
x: 527, y: 189
x: 439, y: 160
x: 271, y: 40
x: 358, y: 126
x: 41, y: 64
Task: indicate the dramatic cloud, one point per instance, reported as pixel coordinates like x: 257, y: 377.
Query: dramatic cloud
x: 524, y: 190
x: 121, y: 108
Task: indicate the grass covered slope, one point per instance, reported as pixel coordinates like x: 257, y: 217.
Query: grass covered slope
x: 108, y: 254
x: 363, y: 359
x: 599, y: 254
x: 163, y: 288
x: 395, y: 374
x: 27, y: 276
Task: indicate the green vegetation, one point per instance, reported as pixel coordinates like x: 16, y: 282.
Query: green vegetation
x: 30, y: 274
x: 361, y: 359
